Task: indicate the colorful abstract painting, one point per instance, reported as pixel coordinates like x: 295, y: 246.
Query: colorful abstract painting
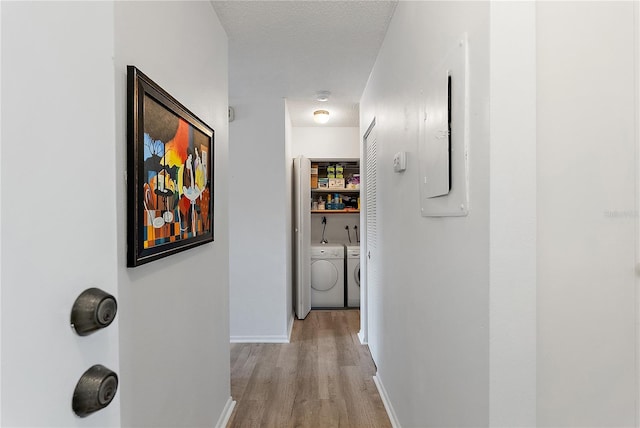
x: 171, y: 159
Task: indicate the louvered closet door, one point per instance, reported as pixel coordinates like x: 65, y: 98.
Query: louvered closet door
x: 373, y: 287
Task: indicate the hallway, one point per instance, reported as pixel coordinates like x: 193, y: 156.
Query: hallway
x: 324, y: 377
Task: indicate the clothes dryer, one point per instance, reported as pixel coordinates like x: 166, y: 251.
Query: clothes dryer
x: 353, y: 275
x: 327, y: 276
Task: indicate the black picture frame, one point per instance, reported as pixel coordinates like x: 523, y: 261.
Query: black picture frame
x: 170, y: 192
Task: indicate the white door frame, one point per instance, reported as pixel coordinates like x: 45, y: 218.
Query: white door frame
x: 302, y: 236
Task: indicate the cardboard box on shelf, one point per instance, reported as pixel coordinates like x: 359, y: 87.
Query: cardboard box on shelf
x: 323, y: 183
x: 314, y: 175
x: 353, y: 182
x: 336, y: 183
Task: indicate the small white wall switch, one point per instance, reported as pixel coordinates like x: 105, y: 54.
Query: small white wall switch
x: 400, y: 161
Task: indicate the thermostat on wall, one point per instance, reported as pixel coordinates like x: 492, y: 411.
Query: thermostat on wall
x: 400, y: 161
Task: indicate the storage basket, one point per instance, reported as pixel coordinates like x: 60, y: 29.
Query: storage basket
x: 332, y: 206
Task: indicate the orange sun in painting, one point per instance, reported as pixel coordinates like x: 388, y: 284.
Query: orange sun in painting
x: 176, y: 149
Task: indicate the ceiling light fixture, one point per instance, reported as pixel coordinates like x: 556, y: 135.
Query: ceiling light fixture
x: 321, y: 116
x: 323, y: 96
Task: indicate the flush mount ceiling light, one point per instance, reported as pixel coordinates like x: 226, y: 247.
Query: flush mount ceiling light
x: 321, y: 116
x: 323, y: 96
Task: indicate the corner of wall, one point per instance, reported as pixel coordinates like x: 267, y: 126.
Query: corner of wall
x: 290, y: 326
x: 288, y: 185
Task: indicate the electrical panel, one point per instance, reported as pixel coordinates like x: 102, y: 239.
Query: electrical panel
x: 443, y: 137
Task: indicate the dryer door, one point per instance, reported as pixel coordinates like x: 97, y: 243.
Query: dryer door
x: 324, y: 275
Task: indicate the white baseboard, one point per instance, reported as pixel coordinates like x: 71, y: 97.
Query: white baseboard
x: 361, y: 337
x: 387, y: 403
x: 266, y: 339
x: 226, y: 413
x: 259, y: 339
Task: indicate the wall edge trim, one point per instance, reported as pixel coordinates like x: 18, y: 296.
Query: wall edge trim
x: 290, y: 327
x: 362, y: 339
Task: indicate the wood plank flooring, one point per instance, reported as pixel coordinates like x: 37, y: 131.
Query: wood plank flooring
x: 323, y: 378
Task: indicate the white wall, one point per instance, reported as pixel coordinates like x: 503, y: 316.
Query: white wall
x: 258, y: 221
x: 335, y: 231
x: 320, y: 142
x: 587, y: 223
x: 513, y: 215
x: 174, y: 311
x: 58, y: 205
x: 434, y: 297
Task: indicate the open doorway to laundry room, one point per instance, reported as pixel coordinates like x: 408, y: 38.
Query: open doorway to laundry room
x: 327, y: 163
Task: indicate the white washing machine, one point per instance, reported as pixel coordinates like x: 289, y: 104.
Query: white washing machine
x: 327, y: 276
x: 353, y: 276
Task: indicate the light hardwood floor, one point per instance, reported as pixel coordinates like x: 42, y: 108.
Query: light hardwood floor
x: 323, y: 378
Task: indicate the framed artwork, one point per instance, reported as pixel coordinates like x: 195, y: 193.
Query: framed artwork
x: 169, y: 174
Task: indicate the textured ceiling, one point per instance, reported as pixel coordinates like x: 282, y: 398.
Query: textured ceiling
x: 292, y: 49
